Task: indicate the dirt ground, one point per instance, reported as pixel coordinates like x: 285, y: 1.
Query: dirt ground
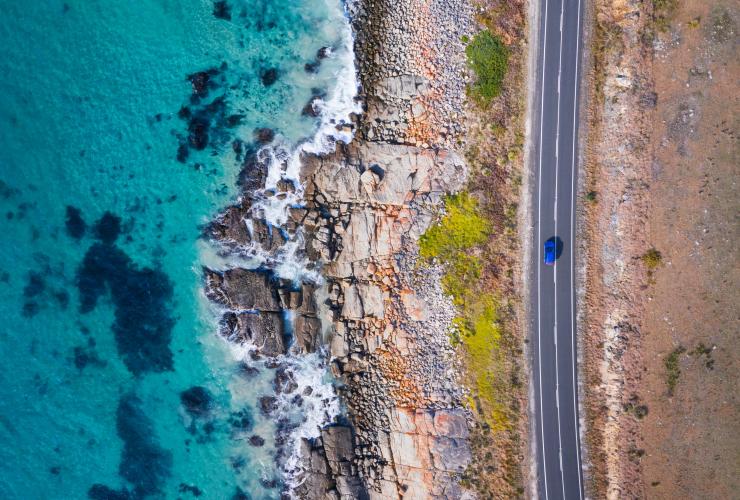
x: 660, y: 231
x: 660, y: 219
x: 691, y: 437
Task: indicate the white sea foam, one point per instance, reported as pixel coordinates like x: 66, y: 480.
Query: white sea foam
x: 335, y: 119
x: 320, y: 406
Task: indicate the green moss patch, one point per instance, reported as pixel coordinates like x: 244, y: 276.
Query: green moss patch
x: 455, y: 242
x: 461, y: 228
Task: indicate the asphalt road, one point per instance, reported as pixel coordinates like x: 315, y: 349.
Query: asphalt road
x: 555, y: 137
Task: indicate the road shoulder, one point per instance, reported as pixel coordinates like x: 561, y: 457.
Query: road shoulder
x: 526, y: 228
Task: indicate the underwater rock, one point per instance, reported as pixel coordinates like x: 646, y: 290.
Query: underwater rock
x: 142, y: 299
x: 241, y: 421
x: 268, y: 483
x: 182, y: 153
x: 62, y: 298
x: 30, y: 309
x: 312, y: 67
x: 267, y: 404
x: 102, y: 492
x: 84, y: 356
x: 108, y: 228
x: 199, y: 82
x: 256, y: 441
x: 222, y: 10
x: 198, y: 133
x: 74, y: 223
x: 35, y: 285
x: 284, y: 381
x: 269, y: 76
x: 264, y: 135
x: 143, y: 463
x: 189, y: 488
x: 247, y: 371
x: 234, y: 120
x: 240, y: 495
x: 197, y: 401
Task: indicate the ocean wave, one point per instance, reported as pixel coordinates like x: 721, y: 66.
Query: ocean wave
x: 312, y: 402
x: 284, y: 160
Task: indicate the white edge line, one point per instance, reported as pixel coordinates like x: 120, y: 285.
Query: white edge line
x: 539, y: 256
x: 572, y: 254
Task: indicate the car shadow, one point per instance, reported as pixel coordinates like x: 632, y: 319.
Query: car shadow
x: 558, y: 246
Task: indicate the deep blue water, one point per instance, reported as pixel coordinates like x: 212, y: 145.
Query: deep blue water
x: 114, y: 153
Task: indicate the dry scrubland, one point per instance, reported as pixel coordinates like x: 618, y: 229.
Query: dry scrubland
x: 661, y: 224
x: 690, y: 432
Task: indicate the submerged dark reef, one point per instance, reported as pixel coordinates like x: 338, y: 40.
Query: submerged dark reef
x: 141, y: 296
x: 144, y: 464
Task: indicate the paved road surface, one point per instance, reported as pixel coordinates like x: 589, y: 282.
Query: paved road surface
x: 555, y: 129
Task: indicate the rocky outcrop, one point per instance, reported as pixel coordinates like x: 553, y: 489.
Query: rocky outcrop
x: 242, y: 289
x: 256, y: 303
x: 381, y: 318
x: 386, y: 319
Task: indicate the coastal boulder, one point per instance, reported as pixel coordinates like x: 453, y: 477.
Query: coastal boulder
x: 307, y: 333
x: 308, y: 301
x: 230, y: 226
x: 338, y: 448
x: 352, y: 308
x: 372, y: 300
x: 263, y: 330
x: 242, y: 289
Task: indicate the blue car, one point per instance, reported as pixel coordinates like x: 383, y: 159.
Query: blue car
x: 551, y: 251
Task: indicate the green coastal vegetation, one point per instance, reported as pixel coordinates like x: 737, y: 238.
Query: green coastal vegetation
x: 663, y: 12
x: 476, y: 241
x: 488, y: 57
x: 652, y: 258
x: 672, y: 369
x: 455, y: 242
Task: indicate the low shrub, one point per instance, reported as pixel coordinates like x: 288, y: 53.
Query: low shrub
x: 673, y: 370
x: 652, y: 259
x: 488, y: 57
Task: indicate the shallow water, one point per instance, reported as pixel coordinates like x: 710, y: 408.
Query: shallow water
x: 111, y: 163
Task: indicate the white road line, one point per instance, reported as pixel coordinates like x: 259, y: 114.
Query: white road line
x: 539, y: 258
x: 572, y: 253
x: 555, y: 328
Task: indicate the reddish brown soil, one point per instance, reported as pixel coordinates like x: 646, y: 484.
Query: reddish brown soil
x: 662, y: 171
x: 691, y: 438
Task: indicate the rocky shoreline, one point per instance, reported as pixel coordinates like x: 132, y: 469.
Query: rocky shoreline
x: 380, y: 319
x: 368, y: 204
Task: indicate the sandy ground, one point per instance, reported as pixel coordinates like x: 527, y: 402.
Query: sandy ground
x: 661, y: 174
x: 691, y: 438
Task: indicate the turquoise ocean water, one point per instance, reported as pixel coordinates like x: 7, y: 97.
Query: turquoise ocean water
x: 117, y: 125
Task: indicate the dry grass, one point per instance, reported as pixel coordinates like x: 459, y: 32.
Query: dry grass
x: 496, y: 366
